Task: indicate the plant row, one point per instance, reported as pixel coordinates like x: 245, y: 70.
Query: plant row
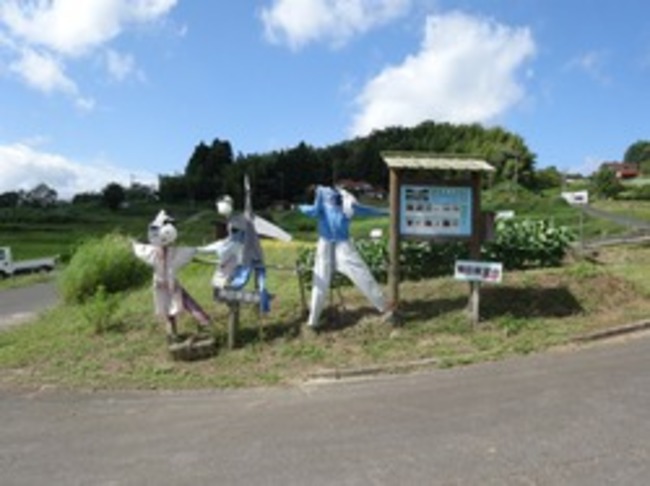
x: 518, y: 244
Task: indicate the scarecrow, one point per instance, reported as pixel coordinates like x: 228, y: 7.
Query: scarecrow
x: 170, y: 298
x: 240, y: 255
x: 333, y: 208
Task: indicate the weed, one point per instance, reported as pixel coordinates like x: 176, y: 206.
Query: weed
x: 99, y: 311
x: 584, y: 270
x: 512, y: 325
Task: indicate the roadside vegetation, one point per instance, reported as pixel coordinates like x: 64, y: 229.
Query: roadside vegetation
x: 111, y: 339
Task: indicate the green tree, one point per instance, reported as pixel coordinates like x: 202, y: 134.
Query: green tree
x: 205, y: 169
x: 139, y: 192
x: 548, y: 178
x: 86, y: 198
x: 40, y: 196
x: 113, y: 195
x: 9, y: 199
x: 604, y: 183
x: 639, y: 153
x: 173, y: 188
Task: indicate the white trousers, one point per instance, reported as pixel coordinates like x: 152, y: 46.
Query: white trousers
x: 341, y: 256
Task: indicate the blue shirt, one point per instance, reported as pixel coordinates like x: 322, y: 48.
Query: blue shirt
x: 333, y: 217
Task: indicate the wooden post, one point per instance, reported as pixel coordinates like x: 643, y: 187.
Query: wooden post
x: 233, y: 324
x: 582, y: 232
x: 394, y: 242
x: 475, y: 247
x: 301, y: 286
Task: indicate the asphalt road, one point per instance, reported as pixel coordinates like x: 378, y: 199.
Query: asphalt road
x: 21, y: 304
x: 572, y: 417
x: 630, y: 222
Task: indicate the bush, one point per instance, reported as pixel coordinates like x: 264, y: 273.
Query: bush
x: 604, y: 183
x: 518, y: 244
x: 527, y: 243
x: 106, y: 262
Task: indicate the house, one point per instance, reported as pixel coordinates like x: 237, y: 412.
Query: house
x: 623, y: 170
x: 362, y: 188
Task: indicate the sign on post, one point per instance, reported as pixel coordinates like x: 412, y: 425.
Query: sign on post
x: 473, y: 271
x: 576, y: 197
x: 434, y: 197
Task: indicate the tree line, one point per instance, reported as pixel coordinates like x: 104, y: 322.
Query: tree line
x: 283, y: 176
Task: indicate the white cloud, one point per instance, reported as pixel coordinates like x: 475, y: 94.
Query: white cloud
x: 121, y: 66
x: 43, y: 35
x: 299, y: 22
x: 43, y: 72
x: 465, y: 71
x: 46, y: 73
x: 23, y: 166
x: 71, y: 27
x: 593, y: 64
x: 68, y: 27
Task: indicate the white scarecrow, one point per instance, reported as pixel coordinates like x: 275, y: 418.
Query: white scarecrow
x: 240, y: 254
x: 333, y: 208
x: 170, y: 298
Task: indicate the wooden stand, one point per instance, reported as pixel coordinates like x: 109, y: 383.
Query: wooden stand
x: 233, y: 299
x: 425, y: 169
x: 194, y: 348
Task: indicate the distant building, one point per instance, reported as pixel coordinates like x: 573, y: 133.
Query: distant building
x: 623, y: 170
x: 362, y: 188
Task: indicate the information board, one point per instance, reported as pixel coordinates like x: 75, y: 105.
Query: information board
x: 435, y: 211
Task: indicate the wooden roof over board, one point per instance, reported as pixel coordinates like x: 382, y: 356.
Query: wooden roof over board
x: 431, y: 161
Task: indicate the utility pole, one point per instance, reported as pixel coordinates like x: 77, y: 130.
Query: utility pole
x: 516, y: 175
x: 515, y: 180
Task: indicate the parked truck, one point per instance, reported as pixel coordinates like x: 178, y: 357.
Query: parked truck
x: 9, y: 267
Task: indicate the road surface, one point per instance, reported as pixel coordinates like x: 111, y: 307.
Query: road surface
x: 18, y: 305
x: 627, y: 221
x: 572, y: 417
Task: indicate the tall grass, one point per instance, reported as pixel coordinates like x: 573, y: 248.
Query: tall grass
x: 106, y: 264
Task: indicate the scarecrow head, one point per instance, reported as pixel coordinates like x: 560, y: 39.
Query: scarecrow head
x: 225, y: 206
x: 162, y: 231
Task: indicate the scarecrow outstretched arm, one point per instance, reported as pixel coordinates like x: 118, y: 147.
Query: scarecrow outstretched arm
x: 361, y: 210
x: 146, y: 253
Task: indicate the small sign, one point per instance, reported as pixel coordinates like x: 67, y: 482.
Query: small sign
x: 232, y: 295
x: 505, y: 214
x: 471, y: 271
x: 576, y: 197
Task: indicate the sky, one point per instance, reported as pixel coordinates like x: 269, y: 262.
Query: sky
x: 101, y: 91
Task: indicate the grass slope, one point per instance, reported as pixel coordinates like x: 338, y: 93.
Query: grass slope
x: 530, y: 311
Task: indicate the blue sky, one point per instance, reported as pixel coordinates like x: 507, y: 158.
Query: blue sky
x: 100, y: 91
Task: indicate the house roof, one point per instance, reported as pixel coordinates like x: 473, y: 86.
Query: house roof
x: 432, y: 161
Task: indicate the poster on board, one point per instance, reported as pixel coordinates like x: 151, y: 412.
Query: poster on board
x: 432, y: 211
